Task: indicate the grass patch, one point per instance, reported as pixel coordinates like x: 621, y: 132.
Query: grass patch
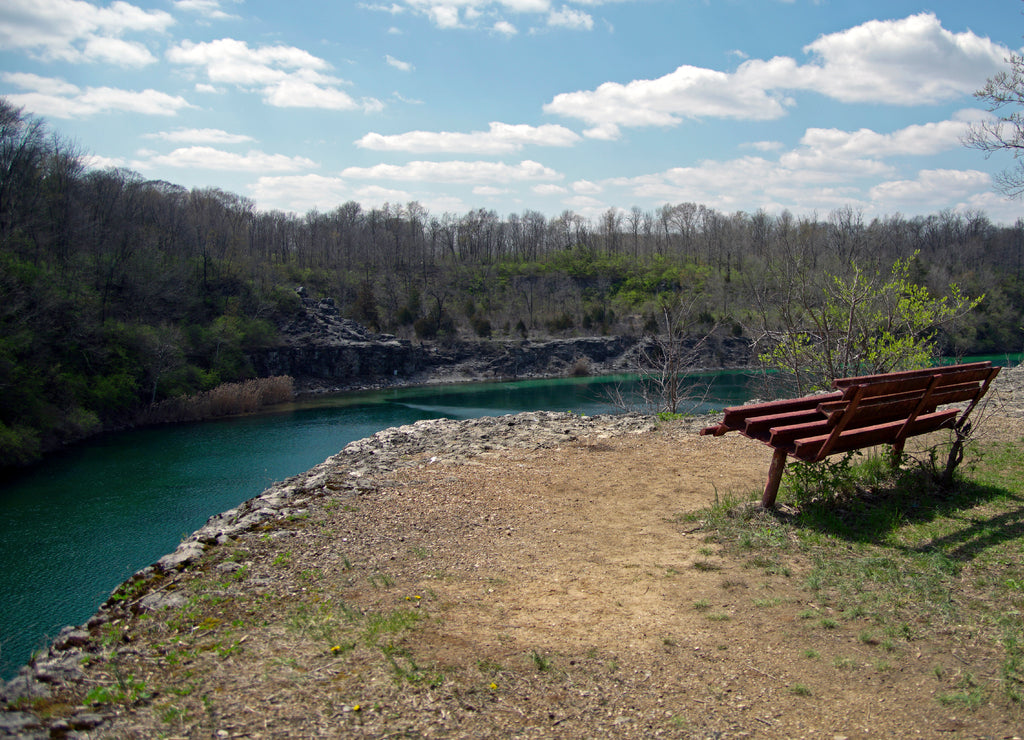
x: 706, y: 566
x: 893, y: 549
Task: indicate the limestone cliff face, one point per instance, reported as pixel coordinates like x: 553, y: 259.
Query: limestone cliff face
x: 319, y: 344
x: 322, y: 349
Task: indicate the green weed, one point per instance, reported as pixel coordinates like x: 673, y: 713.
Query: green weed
x: 281, y: 558
x: 968, y: 698
x: 404, y: 667
x: 541, y: 663
x: 392, y: 622
x: 704, y: 565
x: 381, y: 580
x: 125, y: 690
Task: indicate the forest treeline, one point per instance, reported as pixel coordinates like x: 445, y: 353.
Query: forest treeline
x: 118, y: 292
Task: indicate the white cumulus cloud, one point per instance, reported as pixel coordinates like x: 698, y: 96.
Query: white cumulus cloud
x: 57, y: 98
x: 299, y: 193
x: 210, y: 9
x: 79, y: 31
x: 398, y: 63
x: 501, y: 138
x: 287, y: 77
x: 493, y: 14
x: 931, y: 185
x: 455, y: 172
x: 918, y: 139
x: 200, y: 136
x: 567, y: 17
x: 209, y: 158
x: 902, y: 62
x: 688, y: 92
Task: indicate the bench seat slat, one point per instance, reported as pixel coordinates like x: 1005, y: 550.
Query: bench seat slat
x: 840, y: 405
x: 735, y: 417
x: 807, y: 448
x: 784, y: 436
x: 758, y: 426
x: 780, y: 407
x: 917, y: 385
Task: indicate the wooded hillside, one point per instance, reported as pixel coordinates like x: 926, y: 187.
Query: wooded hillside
x: 118, y: 292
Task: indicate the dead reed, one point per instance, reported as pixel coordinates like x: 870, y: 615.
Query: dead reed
x: 229, y: 399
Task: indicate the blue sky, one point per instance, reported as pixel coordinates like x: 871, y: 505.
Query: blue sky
x: 510, y: 105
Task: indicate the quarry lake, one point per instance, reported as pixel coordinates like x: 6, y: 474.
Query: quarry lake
x: 82, y: 522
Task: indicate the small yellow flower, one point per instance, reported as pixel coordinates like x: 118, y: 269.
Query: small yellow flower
x: 336, y: 649
x: 356, y: 708
x: 493, y: 686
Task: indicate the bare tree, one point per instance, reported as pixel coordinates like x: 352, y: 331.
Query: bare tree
x: 667, y: 360
x: 1003, y: 93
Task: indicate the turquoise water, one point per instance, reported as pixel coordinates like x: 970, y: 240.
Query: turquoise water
x: 81, y: 523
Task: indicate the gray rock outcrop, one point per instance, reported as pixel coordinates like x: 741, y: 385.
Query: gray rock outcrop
x: 324, y: 351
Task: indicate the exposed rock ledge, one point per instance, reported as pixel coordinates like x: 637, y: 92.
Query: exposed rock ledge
x: 325, y: 352
x: 361, y: 465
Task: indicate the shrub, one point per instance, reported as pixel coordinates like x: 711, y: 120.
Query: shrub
x: 19, y: 445
x: 481, y: 326
x: 820, y: 481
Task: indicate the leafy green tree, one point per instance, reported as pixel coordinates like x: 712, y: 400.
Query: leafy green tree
x: 862, y: 324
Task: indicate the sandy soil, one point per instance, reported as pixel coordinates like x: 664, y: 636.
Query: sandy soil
x: 524, y: 594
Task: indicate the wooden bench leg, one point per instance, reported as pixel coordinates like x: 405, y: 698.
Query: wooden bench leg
x: 771, y: 488
x: 896, y: 454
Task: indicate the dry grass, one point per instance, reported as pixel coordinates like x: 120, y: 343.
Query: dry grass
x: 229, y: 399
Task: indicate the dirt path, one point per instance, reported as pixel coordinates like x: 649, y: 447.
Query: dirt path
x: 550, y: 593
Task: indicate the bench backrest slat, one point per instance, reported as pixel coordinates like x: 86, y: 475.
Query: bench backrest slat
x: 739, y: 413
x: 982, y: 369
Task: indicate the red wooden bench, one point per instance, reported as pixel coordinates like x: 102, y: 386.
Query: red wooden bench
x: 861, y: 412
